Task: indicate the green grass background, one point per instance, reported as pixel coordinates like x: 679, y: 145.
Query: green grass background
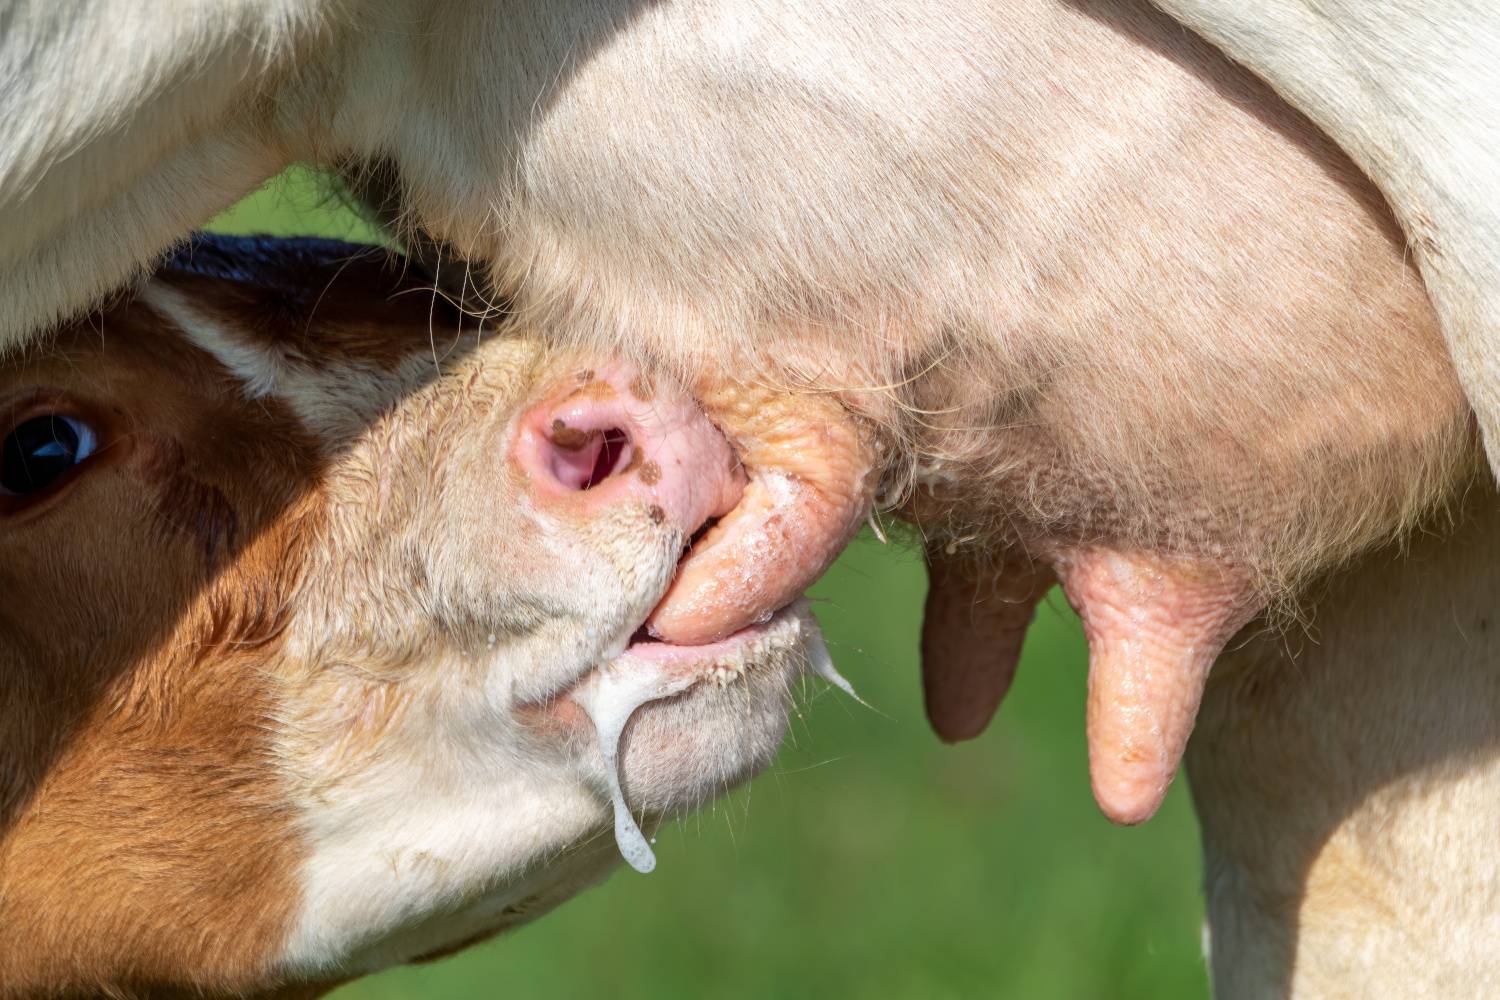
x: 870, y: 860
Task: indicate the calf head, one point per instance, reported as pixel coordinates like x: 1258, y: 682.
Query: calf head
x: 308, y: 590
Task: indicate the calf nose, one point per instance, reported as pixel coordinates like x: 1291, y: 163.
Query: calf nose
x: 612, y: 436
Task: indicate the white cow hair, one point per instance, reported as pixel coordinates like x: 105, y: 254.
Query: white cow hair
x: 1410, y: 89
x: 123, y: 125
x: 121, y: 128
x: 1345, y: 784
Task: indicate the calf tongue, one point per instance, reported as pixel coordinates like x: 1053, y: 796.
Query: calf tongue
x: 1154, y: 624
x: 809, y: 465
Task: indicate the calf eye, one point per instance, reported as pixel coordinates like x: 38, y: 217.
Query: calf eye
x: 41, y: 450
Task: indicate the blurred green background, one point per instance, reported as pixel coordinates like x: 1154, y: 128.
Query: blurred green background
x: 870, y: 860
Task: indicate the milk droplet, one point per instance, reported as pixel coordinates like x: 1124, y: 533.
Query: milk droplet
x: 821, y: 663
x: 617, y: 691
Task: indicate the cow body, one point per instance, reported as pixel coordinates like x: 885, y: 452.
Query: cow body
x: 125, y: 124
x: 826, y: 199
x: 1408, y: 89
x: 1094, y: 303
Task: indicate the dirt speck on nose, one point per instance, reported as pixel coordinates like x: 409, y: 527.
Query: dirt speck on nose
x: 568, y: 438
x: 657, y: 514
x: 642, y: 389
x: 650, y: 473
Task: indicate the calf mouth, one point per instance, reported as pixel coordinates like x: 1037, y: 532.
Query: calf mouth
x: 650, y: 672
x: 722, y: 661
x: 718, y: 706
x: 789, y: 642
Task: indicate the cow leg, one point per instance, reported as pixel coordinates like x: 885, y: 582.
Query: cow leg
x: 1345, y: 776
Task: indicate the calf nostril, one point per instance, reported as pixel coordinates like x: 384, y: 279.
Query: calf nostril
x: 582, y: 459
x: 614, y: 455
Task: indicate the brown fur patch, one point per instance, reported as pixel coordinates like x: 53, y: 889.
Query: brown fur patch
x: 138, y: 640
x: 596, y: 389
x: 185, y: 504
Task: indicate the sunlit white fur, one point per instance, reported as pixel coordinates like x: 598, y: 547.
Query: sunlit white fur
x: 1411, y: 90
x: 423, y: 842
x: 124, y: 124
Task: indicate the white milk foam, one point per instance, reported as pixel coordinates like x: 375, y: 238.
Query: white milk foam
x: 820, y: 662
x: 621, y: 687
x: 617, y: 691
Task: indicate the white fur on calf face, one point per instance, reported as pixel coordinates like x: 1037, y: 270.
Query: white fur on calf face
x: 431, y: 807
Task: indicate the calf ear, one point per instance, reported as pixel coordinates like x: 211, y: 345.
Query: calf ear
x: 329, y: 328
x: 213, y: 322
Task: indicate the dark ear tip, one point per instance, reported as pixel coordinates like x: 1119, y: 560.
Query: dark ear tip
x: 277, y: 262
x: 297, y: 272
